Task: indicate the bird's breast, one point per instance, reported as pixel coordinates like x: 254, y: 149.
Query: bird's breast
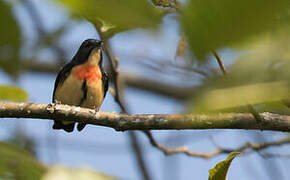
x: 71, y: 91
x: 90, y: 73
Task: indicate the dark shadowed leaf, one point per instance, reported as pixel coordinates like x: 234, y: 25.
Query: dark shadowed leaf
x: 12, y: 93
x: 219, y: 172
x: 117, y: 15
x: 16, y: 163
x: 211, y: 24
x: 9, y: 41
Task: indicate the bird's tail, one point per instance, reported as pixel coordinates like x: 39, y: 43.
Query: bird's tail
x: 69, y: 127
x: 81, y: 126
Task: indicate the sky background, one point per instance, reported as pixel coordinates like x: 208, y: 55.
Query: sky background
x: 104, y: 149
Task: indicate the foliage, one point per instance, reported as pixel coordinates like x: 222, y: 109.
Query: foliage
x: 9, y: 40
x: 234, y: 97
x: 116, y: 15
x: 211, y: 24
x: 12, y: 93
x: 251, y: 79
x: 219, y: 172
x: 16, y: 163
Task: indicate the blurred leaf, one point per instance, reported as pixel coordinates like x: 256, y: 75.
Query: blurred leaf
x: 9, y: 40
x: 12, y: 93
x: 227, y: 98
x: 62, y: 173
x: 219, y: 172
x: 251, y: 79
x: 212, y: 24
x: 121, y: 15
x: 16, y: 163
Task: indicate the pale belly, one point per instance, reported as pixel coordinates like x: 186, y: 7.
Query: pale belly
x: 71, y: 93
x: 95, y: 96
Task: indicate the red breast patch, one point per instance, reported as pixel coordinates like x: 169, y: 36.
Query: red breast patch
x: 87, y: 72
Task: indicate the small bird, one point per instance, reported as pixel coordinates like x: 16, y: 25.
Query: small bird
x: 82, y: 82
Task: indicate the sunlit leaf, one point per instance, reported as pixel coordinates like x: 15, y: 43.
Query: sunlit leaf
x: 9, y: 40
x: 121, y: 15
x: 12, y: 93
x: 219, y: 172
x: 63, y: 173
x: 16, y: 163
x: 211, y: 24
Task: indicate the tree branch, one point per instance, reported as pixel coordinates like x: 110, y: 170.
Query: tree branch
x: 220, y: 62
x: 123, y: 122
x: 256, y: 147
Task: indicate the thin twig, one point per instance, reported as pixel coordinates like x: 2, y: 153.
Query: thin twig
x: 220, y: 62
x: 253, y: 146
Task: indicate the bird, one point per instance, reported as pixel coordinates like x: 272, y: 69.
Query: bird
x: 81, y: 82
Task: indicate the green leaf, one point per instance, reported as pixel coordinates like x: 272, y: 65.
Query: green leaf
x: 12, y: 93
x: 212, y: 24
x: 63, y: 173
x: 257, y: 77
x: 10, y: 41
x: 219, y: 100
x: 219, y: 172
x: 119, y: 14
x: 16, y: 163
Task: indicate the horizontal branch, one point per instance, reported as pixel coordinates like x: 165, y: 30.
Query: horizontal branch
x: 122, y: 122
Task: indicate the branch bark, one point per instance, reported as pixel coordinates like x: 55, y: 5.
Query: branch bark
x: 123, y: 122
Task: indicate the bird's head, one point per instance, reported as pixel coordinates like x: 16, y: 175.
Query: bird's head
x: 89, y: 48
x: 90, y: 44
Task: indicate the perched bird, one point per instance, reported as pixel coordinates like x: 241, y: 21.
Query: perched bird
x: 81, y: 82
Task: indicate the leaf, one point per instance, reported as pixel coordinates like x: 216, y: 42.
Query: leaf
x: 16, y: 163
x: 12, y: 93
x: 251, y: 79
x: 121, y: 15
x: 229, y: 98
x: 219, y: 172
x: 10, y: 41
x: 63, y: 173
x: 211, y: 24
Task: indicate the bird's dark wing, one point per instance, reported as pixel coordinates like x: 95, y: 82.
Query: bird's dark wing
x: 105, y: 80
x: 61, y: 77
